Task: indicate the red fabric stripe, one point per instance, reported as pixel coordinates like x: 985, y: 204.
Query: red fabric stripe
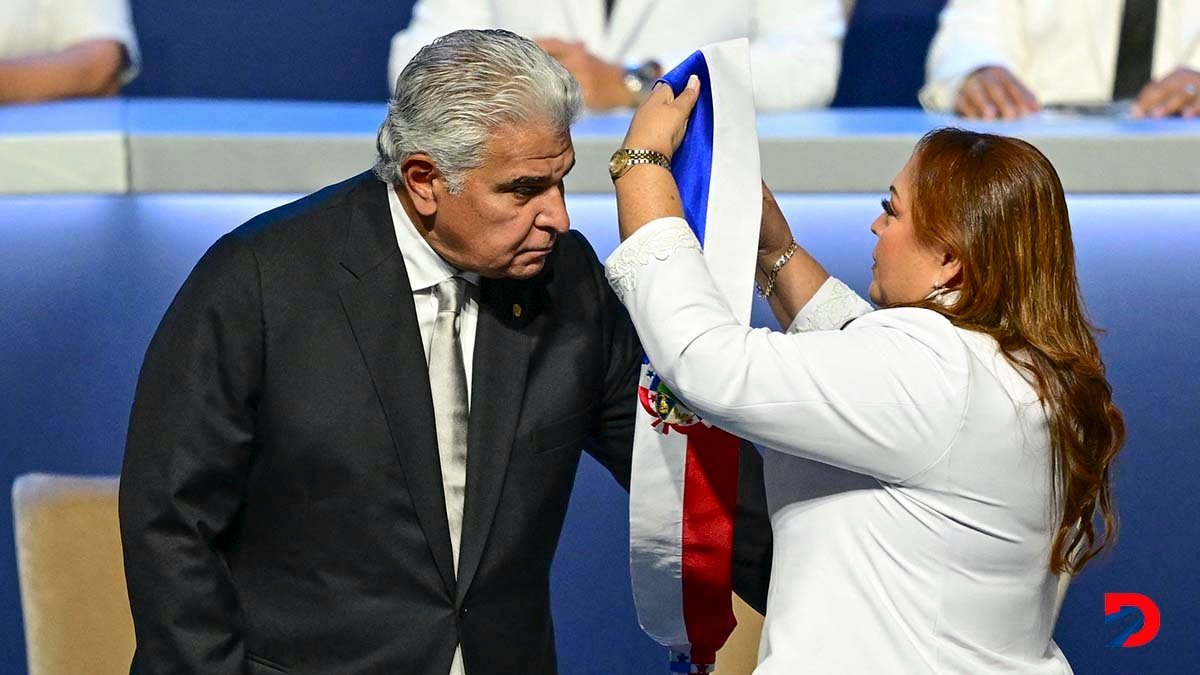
x: 709, y: 503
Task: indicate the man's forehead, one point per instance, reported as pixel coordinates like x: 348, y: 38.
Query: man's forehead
x: 529, y: 142
x: 541, y: 153
x: 538, y: 161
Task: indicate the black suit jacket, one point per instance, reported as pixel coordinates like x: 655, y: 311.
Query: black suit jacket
x: 281, y: 499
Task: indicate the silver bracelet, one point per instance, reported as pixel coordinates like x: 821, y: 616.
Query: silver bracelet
x: 773, y: 275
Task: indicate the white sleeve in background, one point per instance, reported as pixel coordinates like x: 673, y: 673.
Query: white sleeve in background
x: 885, y: 397
x: 432, y: 19
x: 1191, y: 55
x: 795, y: 52
x: 74, y: 21
x: 1176, y: 39
x: 971, y: 34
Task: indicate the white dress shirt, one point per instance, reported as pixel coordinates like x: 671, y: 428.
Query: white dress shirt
x: 1064, y: 51
x: 426, y: 269
x: 36, y: 27
x: 906, y: 466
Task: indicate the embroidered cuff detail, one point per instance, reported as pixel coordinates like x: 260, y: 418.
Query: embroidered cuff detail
x: 833, y: 306
x: 656, y: 240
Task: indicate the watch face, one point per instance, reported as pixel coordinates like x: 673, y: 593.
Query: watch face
x: 617, y: 164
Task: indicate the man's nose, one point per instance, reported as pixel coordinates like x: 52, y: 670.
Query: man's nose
x: 554, y: 215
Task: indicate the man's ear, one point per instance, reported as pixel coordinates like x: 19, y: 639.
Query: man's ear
x: 421, y: 178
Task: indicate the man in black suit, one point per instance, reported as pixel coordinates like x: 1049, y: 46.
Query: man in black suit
x: 357, y: 427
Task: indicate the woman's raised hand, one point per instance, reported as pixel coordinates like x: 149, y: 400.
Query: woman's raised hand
x: 661, y: 119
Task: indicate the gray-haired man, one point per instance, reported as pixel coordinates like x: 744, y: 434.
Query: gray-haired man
x: 357, y: 428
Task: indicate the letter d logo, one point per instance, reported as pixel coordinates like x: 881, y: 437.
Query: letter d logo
x: 1117, y: 606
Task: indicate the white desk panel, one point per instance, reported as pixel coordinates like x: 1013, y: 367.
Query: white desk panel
x: 69, y: 146
x: 199, y: 145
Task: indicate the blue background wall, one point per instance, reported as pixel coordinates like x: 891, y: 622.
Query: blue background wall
x: 313, y: 49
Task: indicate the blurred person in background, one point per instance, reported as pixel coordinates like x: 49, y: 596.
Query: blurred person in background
x: 618, y: 48
x: 1003, y: 59
x: 53, y: 49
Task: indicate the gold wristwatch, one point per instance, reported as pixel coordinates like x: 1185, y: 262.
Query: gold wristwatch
x: 625, y: 158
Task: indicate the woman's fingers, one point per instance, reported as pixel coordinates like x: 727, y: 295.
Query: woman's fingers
x: 660, y: 122
x: 682, y: 107
x: 660, y: 94
x: 688, y: 97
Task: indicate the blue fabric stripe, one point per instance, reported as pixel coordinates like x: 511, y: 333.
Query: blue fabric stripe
x: 692, y: 163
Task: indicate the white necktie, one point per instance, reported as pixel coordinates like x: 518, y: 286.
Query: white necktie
x: 448, y: 385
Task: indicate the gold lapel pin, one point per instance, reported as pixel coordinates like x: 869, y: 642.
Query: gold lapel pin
x: 516, y: 310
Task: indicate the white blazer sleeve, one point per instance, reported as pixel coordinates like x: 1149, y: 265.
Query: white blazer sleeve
x: 971, y: 34
x: 832, y: 307
x: 1191, y: 53
x: 432, y: 19
x: 885, y: 397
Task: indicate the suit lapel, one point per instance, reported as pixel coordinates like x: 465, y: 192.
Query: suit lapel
x: 503, y: 342
x: 379, y: 306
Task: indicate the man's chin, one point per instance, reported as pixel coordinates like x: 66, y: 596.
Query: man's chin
x: 526, y: 270
x: 527, y: 265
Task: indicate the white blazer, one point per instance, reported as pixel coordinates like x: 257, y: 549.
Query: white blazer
x: 1065, y: 51
x: 906, y: 466
x: 795, y: 44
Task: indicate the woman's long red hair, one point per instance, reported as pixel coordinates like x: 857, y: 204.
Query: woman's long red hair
x: 997, y: 204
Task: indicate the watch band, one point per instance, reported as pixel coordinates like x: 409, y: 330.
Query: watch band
x: 625, y: 158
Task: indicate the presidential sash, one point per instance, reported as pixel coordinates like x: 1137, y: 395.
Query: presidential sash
x: 683, y: 491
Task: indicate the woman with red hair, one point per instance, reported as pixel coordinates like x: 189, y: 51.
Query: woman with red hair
x: 931, y: 466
